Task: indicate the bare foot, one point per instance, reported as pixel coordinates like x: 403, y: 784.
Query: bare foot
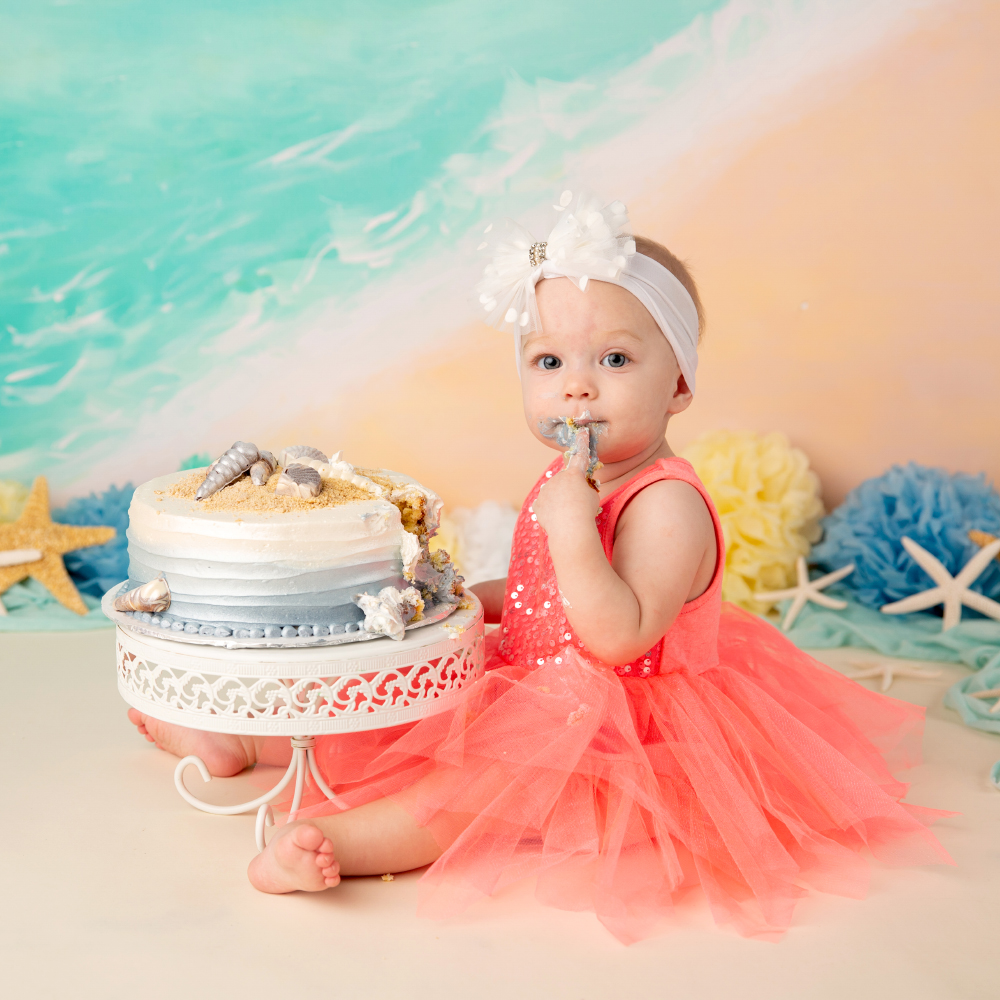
x: 224, y: 755
x: 298, y: 857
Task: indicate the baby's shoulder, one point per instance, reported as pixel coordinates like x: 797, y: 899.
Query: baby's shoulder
x: 667, y: 505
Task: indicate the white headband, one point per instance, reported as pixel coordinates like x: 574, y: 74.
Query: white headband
x: 588, y: 241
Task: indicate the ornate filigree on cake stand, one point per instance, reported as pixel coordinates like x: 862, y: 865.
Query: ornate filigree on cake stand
x: 300, y: 693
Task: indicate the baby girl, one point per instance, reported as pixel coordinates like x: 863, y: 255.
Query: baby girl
x: 632, y: 736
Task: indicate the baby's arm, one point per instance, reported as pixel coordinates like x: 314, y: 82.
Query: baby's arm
x: 663, y: 556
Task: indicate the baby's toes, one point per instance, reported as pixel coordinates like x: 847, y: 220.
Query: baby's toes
x: 324, y: 853
x: 308, y: 837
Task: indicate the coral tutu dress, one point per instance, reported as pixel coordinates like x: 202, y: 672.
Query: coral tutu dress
x: 724, y: 757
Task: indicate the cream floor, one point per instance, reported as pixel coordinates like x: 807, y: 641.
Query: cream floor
x: 113, y: 887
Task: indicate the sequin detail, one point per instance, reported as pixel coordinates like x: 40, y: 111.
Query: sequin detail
x: 533, y: 615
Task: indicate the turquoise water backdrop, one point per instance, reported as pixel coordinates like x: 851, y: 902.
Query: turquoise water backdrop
x: 162, y: 165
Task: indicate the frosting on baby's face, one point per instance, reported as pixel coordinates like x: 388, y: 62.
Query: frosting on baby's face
x: 600, y: 350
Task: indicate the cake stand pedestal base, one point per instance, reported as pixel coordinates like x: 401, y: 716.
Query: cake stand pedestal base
x: 303, y: 760
x: 301, y: 693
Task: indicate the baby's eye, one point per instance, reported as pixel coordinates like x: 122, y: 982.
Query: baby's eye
x: 615, y: 360
x: 548, y: 363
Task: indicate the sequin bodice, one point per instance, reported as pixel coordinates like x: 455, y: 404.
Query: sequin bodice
x: 534, y: 629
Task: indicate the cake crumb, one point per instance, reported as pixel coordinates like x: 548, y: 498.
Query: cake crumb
x: 388, y: 878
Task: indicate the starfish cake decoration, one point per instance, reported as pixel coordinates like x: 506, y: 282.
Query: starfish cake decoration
x: 40, y: 543
x: 951, y: 591
x: 807, y: 590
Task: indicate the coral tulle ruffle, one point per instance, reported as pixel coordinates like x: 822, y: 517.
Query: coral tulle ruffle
x: 754, y: 779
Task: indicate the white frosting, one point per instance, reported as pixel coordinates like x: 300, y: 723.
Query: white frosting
x: 389, y: 612
x: 410, y: 551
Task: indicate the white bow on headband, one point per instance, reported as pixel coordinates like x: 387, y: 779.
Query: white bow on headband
x: 588, y: 241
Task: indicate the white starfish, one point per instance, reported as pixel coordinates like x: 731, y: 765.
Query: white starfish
x: 991, y: 693
x: 807, y: 590
x: 951, y: 591
x: 889, y: 672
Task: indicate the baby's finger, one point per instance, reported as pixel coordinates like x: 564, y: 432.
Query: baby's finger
x: 580, y: 457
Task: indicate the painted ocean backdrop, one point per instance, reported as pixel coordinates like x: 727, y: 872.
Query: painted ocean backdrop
x: 226, y: 220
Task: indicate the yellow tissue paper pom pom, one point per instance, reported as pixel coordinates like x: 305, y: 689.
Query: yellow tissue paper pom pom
x: 12, y: 497
x: 769, y: 505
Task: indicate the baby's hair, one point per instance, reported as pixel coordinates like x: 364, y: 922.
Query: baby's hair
x: 659, y: 253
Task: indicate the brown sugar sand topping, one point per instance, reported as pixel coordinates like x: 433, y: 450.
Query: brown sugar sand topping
x: 242, y: 495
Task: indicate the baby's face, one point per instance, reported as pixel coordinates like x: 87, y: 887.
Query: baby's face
x: 600, y: 350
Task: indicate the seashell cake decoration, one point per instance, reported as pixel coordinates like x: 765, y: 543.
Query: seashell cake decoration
x: 297, y: 452
x: 245, y: 457
x: 262, y: 470
x: 233, y: 464
x: 153, y: 596
x: 299, y: 481
x: 336, y: 468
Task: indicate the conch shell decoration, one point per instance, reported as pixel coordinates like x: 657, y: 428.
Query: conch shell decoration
x: 262, y: 470
x: 298, y: 481
x: 389, y: 613
x: 153, y: 596
x: 233, y: 464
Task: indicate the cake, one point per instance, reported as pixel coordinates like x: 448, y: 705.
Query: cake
x: 255, y: 558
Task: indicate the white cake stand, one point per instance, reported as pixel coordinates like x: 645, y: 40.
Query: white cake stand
x: 300, y: 693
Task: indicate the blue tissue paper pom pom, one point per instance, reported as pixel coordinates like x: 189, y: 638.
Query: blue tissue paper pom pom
x: 933, y: 507
x: 97, y: 569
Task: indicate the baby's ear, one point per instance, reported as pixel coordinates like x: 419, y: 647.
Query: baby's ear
x: 682, y: 396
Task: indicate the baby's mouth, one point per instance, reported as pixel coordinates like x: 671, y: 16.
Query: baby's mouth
x: 564, y: 429
x: 586, y: 420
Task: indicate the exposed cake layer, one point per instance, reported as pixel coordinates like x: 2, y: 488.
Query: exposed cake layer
x: 295, y: 567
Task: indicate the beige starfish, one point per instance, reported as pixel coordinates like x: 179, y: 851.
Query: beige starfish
x: 11, y: 558
x: 991, y: 693
x: 982, y: 539
x: 951, y: 591
x: 889, y: 672
x: 35, y: 530
x: 807, y: 590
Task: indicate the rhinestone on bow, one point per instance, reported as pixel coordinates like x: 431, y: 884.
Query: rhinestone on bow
x: 536, y: 254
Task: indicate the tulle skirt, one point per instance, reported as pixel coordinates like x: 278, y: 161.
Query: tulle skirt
x: 753, y: 779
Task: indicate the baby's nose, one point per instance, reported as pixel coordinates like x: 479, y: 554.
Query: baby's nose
x: 578, y: 386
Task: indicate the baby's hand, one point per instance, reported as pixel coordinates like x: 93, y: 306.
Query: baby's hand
x: 567, y: 502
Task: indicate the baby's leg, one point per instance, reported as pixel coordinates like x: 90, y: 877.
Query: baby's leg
x: 224, y: 755
x: 374, y: 839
